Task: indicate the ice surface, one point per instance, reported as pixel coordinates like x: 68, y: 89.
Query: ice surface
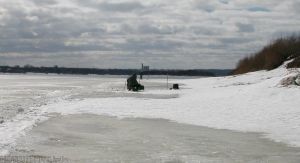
x: 86, y: 138
x: 254, y: 102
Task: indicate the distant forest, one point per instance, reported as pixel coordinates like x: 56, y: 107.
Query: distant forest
x: 85, y: 71
x: 272, y: 56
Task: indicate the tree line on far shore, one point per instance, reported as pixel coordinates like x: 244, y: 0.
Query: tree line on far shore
x: 85, y: 71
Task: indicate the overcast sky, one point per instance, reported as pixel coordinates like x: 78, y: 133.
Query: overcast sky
x: 123, y: 33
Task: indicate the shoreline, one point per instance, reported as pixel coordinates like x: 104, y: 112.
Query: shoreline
x: 87, y: 137
x: 247, y: 103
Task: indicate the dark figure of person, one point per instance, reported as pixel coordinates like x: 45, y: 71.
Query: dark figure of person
x: 133, y: 85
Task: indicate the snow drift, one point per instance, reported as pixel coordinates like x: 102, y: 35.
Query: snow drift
x: 253, y: 102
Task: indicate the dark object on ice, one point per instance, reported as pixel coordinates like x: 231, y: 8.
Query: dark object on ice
x: 175, y: 86
x: 1, y: 121
x: 141, y: 75
x: 290, y: 80
x: 297, y: 80
x: 133, y: 85
x: 20, y: 110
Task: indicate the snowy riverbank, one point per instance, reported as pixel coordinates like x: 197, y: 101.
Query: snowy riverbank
x: 254, y: 102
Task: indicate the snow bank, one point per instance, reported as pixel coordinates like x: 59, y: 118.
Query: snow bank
x: 254, y: 102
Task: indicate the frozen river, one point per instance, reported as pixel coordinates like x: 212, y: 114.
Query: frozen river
x: 33, y: 110
x: 20, y: 92
x: 90, y: 138
x: 24, y: 98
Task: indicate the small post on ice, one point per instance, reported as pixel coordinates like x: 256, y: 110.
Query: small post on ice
x: 167, y: 80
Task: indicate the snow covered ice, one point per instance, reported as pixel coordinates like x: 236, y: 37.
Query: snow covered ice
x: 253, y: 102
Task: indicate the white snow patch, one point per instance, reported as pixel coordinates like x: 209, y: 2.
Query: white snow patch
x: 253, y: 102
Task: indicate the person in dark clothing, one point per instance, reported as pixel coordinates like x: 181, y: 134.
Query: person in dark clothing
x: 133, y: 85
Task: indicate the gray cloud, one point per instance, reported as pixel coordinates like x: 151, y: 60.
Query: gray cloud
x: 248, y: 28
x: 44, y: 2
x: 121, y: 7
x: 258, y: 9
x: 112, y: 6
x: 101, y: 33
x: 208, y: 6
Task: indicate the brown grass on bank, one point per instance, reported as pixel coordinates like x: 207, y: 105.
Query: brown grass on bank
x: 272, y: 56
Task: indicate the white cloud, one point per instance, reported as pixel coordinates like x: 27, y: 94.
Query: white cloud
x: 166, y: 34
